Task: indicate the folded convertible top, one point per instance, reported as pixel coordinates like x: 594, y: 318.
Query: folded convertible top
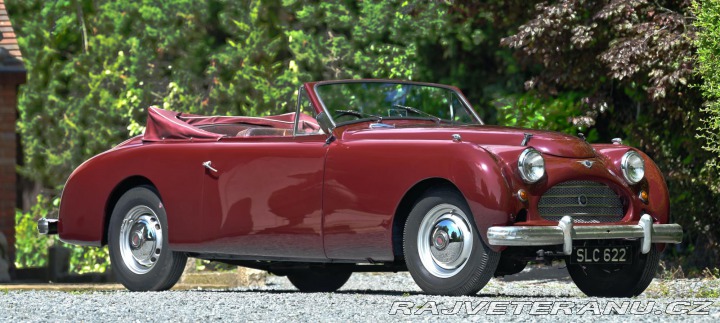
x: 170, y: 125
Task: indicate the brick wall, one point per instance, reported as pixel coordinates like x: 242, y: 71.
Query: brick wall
x: 8, y: 111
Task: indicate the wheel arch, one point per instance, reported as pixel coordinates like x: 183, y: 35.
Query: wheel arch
x: 406, y: 204
x: 117, y: 192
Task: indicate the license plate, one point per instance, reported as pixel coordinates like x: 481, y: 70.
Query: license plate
x: 601, y: 255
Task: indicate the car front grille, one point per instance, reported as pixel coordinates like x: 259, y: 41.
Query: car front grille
x: 584, y: 201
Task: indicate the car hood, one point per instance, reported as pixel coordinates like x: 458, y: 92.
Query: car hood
x: 548, y: 142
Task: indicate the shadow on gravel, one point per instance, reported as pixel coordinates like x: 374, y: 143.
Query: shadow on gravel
x: 374, y: 292
x: 294, y: 291
x: 539, y: 275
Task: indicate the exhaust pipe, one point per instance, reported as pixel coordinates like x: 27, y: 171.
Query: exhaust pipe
x: 47, y: 226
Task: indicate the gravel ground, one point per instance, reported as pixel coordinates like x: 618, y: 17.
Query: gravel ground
x: 366, y: 297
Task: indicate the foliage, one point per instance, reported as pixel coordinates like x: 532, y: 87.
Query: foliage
x: 95, y: 65
x: 633, y: 62
x: 562, y: 113
x: 32, y: 249
x: 708, y: 59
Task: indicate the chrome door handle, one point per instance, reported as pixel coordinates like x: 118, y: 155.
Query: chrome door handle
x: 208, y: 165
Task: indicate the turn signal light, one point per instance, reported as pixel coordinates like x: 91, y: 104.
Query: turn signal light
x: 643, y: 196
x: 522, y: 195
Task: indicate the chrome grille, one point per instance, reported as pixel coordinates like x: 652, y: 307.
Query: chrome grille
x: 585, y: 201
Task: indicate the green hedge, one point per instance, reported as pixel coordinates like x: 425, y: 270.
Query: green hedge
x: 32, y: 248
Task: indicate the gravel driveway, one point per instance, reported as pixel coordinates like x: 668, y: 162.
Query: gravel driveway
x: 366, y: 297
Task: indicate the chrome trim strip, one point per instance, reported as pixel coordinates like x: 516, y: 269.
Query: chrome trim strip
x: 565, y: 232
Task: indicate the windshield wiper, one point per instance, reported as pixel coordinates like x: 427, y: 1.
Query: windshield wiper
x: 420, y: 112
x: 340, y: 113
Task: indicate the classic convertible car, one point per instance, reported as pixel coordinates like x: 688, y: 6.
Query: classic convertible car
x: 369, y: 175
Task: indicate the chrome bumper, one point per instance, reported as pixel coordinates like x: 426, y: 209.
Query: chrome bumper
x: 47, y: 226
x: 565, y: 232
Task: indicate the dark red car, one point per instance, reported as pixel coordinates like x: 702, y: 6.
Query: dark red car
x: 369, y: 175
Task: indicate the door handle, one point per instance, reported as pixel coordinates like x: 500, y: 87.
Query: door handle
x: 208, y: 165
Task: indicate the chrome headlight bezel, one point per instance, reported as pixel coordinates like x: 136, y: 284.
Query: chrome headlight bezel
x: 523, y: 161
x: 626, y: 163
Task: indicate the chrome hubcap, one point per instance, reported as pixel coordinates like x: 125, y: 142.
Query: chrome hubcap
x: 444, y: 240
x: 141, y: 239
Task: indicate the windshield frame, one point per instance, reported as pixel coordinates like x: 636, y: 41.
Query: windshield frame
x: 463, y: 100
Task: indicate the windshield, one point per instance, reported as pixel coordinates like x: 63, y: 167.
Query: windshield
x: 362, y: 101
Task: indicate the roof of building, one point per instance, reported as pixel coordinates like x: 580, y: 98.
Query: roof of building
x: 10, y: 56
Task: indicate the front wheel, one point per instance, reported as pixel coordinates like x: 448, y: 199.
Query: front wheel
x: 137, y: 239
x: 443, y: 250
x: 617, y: 280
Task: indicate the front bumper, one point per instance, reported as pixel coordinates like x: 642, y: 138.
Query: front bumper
x: 565, y: 232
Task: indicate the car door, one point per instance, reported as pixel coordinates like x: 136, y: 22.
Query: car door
x: 262, y: 195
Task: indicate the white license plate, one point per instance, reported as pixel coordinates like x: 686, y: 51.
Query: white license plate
x: 601, y: 255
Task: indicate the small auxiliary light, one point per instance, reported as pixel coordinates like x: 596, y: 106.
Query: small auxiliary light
x: 522, y: 195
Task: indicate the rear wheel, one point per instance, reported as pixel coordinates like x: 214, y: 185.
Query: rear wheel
x: 137, y: 239
x: 443, y: 251
x: 617, y: 280
x: 320, y: 280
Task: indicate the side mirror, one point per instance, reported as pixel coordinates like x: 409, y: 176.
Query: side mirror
x: 325, y: 123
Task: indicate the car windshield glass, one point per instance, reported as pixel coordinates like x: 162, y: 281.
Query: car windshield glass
x: 353, y: 101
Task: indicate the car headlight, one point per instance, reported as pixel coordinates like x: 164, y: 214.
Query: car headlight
x: 531, y: 165
x: 633, y: 167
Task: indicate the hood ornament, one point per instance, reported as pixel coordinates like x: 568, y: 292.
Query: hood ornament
x: 526, y: 139
x: 586, y: 163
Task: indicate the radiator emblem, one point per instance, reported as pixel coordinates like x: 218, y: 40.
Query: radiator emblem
x: 582, y: 200
x: 587, y: 163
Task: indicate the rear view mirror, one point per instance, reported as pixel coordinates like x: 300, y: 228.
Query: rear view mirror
x: 325, y: 123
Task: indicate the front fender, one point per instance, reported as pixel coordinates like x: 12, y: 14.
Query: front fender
x: 658, y: 205
x: 487, y: 186
x: 366, y: 180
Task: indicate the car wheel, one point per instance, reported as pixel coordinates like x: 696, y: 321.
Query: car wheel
x: 616, y: 280
x: 443, y: 250
x: 319, y: 280
x: 137, y: 239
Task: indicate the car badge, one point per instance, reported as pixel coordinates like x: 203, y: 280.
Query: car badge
x: 587, y: 163
x: 582, y: 200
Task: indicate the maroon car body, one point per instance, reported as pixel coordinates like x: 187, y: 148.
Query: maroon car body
x: 342, y: 197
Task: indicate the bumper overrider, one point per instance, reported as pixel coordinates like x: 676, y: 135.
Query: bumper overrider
x: 565, y: 232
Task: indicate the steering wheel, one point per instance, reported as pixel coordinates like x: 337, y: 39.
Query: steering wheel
x: 341, y: 113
